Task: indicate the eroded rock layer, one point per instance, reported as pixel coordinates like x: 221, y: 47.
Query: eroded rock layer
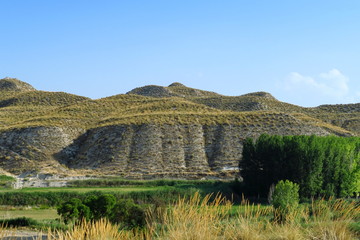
x: 173, y: 150
x: 153, y: 131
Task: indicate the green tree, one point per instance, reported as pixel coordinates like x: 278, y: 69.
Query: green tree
x: 285, y: 200
x: 73, y: 210
x: 100, y: 206
x: 322, y: 166
x: 251, y: 167
x: 128, y: 214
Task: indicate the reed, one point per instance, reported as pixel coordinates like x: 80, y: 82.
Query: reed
x: 98, y: 230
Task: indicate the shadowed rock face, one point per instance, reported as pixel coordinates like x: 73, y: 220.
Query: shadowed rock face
x: 35, y: 148
x: 134, y: 150
x: 174, y: 150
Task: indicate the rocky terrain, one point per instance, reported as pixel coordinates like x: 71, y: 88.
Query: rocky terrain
x: 150, y: 132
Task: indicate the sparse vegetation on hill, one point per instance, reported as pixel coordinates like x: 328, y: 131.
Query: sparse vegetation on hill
x: 40, y: 98
x: 153, y: 128
x: 173, y: 90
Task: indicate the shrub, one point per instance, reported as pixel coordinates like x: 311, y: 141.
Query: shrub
x: 19, y: 222
x: 100, y: 206
x: 124, y: 212
x: 73, y: 210
x: 128, y: 214
x: 285, y: 200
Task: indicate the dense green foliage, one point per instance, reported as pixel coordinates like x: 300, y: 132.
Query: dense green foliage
x: 18, y: 198
x: 128, y: 214
x: 100, y: 206
x: 285, y: 199
x: 73, y: 210
x: 120, y: 182
x: 25, y: 198
x: 28, y: 222
x: 19, y: 222
x: 124, y: 212
x: 322, y: 166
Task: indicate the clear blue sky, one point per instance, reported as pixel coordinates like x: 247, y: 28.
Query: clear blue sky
x: 304, y: 52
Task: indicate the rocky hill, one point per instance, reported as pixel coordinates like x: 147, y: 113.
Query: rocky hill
x: 152, y: 131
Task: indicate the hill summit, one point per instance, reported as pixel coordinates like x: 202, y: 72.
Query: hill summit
x: 175, y: 89
x: 13, y: 84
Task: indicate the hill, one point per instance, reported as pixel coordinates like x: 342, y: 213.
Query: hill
x: 151, y: 131
x: 14, y: 85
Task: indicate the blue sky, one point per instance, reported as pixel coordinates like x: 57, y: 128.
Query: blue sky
x: 303, y: 52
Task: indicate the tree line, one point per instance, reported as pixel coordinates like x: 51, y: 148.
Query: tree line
x: 322, y: 166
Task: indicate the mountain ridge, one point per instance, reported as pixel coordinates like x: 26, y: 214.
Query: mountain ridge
x: 150, y: 131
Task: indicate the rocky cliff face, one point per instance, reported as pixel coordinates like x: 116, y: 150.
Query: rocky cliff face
x: 195, y: 134
x: 34, y: 148
x: 166, y: 150
x: 132, y: 150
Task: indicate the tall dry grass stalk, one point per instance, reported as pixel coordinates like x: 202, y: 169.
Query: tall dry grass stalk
x: 256, y: 222
x: 214, y: 218
x: 247, y: 223
x: 5, y: 232
x: 198, y: 218
x: 205, y: 219
x: 330, y: 219
x: 99, y: 230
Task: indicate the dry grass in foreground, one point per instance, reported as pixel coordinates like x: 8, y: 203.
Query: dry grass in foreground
x: 205, y: 219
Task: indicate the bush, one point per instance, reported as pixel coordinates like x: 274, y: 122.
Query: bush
x: 128, y: 214
x: 73, y: 210
x: 285, y: 200
x: 52, y: 199
x: 100, y: 206
x: 124, y: 212
x: 19, y: 222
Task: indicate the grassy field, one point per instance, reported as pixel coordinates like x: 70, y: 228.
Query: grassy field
x: 196, y: 217
x: 37, y: 214
x: 219, y: 219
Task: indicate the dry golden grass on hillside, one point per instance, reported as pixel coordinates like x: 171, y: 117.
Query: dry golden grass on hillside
x: 126, y: 109
x: 31, y: 108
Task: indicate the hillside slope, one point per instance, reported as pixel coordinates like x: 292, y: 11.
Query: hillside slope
x: 151, y: 131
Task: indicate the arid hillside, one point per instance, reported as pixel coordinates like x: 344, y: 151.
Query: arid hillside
x: 151, y: 131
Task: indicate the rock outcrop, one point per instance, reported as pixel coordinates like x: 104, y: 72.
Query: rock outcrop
x: 35, y: 148
x: 13, y: 84
x: 167, y: 150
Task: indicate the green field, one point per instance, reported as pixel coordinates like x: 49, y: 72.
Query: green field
x: 37, y: 214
